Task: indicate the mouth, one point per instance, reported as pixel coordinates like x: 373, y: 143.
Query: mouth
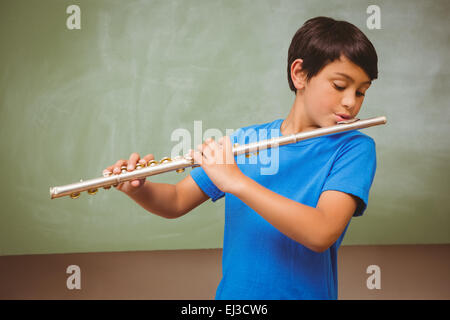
x: 342, y: 117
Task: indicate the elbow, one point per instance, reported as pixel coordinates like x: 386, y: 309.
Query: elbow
x: 319, y: 249
x: 175, y: 215
x: 322, y: 239
x: 316, y: 247
x: 166, y: 214
x: 172, y: 216
x: 320, y: 244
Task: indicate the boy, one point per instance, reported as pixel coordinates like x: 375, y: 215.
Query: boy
x: 283, y: 230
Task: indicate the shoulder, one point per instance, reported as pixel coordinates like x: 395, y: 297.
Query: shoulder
x: 353, y: 139
x: 255, y: 128
x: 352, y: 145
x: 356, y: 147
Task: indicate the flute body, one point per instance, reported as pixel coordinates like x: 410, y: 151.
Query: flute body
x: 180, y: 163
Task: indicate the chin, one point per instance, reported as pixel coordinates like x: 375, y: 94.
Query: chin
x: 332, y: 123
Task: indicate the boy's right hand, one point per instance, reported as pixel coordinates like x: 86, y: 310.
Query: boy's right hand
x: 132, y: 186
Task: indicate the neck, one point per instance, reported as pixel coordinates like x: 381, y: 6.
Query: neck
x: 297, y: 119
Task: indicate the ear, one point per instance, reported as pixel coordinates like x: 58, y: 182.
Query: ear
x: 298, y: 75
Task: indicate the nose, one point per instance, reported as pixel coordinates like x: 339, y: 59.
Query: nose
x: 348, y: 101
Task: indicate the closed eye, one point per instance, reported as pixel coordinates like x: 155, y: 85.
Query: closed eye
x: 358, y: 93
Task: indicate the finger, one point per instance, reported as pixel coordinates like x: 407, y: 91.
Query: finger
x: 217, y: 151
x: 144, y: 161
x: 224, y: 139
x: 108, y: 171
x: 200, y: 148
x: 196, y: 155
x: 135, y: 183
x: 208, y: 148
x: 117, y: 169
x: 201, y: 153
x: 118, y: 165
x: 229, y: 158
x: 134, y: 157
x: 211, y: 143
x: 220, y: 142
x: 226, y: 142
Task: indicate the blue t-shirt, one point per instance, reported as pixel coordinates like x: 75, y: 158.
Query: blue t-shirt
x: 261, y: 263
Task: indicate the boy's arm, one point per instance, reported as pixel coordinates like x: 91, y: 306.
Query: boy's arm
x: 189, y: 195
x: 315, y: 228
x: 168, y: 200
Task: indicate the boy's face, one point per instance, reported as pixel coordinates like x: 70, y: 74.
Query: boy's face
x: 338, y: 88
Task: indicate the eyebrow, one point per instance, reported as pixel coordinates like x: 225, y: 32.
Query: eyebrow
x: 350, y: 78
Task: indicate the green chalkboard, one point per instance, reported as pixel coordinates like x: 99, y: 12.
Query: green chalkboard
x: 73, y: 101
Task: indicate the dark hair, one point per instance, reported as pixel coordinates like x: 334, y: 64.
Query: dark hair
x: 322, y: 40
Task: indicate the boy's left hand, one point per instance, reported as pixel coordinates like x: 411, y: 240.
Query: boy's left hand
x: 217, y: 159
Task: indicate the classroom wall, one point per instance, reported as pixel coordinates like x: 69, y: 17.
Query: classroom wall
x: 407, y: 272
x: 74, y: 101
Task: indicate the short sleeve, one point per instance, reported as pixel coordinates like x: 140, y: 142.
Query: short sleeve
x: 204, y: 182
x: 353, y: 170
x: 201, y: 178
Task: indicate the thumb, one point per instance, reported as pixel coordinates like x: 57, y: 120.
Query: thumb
x: 135, y: 183
x: 196, y: 156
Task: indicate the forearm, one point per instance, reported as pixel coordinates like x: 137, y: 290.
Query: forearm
x: 157, y: 198
x: 299, y: 222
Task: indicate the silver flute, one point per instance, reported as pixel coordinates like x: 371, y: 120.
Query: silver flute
x: 179, y: 163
